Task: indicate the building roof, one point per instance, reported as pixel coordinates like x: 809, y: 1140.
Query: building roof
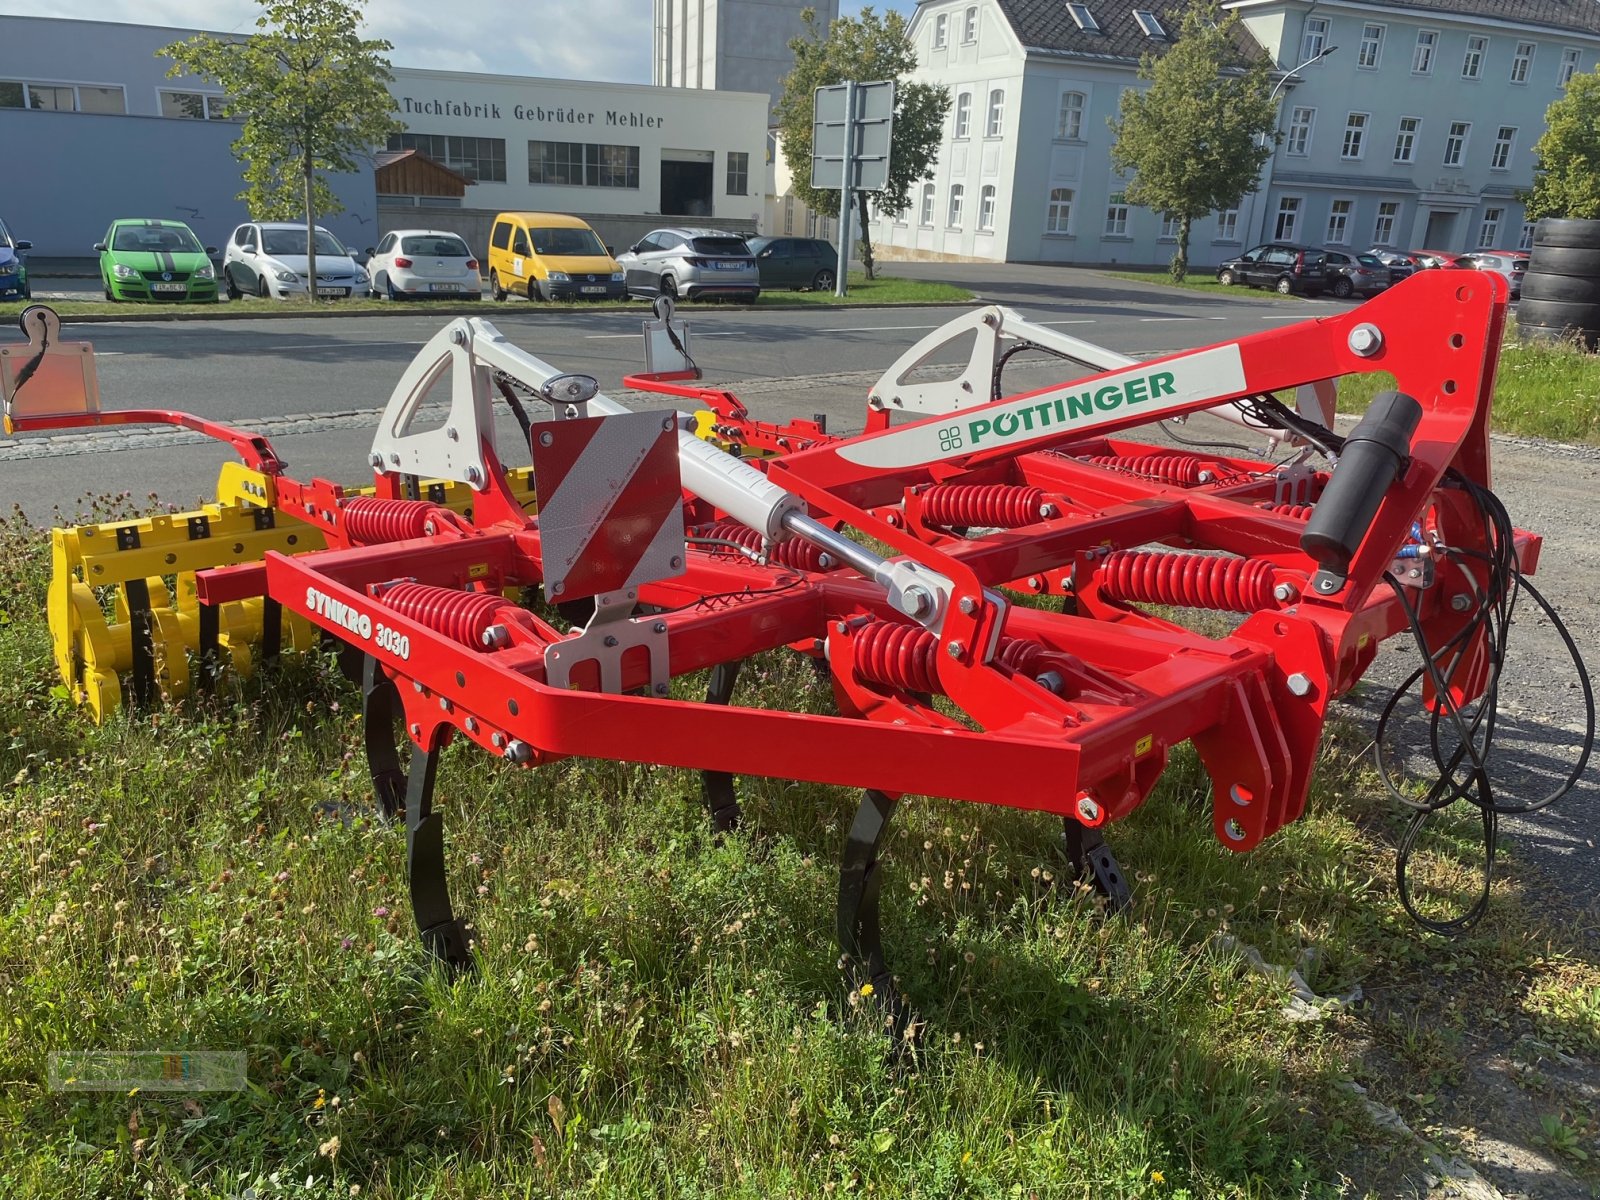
x: 1579, y: 16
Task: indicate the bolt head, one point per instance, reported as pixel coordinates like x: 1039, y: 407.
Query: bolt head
x: 659, y: 627
x: 611, y: 641
x: 472, y: 724
x: 917, y: 600
x: 497, y: 740
x: 955, y: 649
x: 377, y: 462
x: 1299, y: 684
x: 1461, y: 602
x: 416, y: 730
x: 1088, y: 810
x: 546, y: 438
x: 458, y: 336
x: 1284, y: 592
x: 394, y: 460
x: 661, y: 689
x: 1048, y: 510
x: 968, y: 605
x: 1366, y: 340
x: 450, y: 432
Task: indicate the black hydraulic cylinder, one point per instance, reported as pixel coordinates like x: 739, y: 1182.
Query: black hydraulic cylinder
x: 1367, y: 468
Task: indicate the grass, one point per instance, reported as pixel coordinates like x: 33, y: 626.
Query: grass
x: 1198, y: 281
x: 657, y: 1013
x: 883, y: 290
x: 1547, y: 389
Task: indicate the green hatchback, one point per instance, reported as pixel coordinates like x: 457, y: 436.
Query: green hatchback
x: 156, y: 260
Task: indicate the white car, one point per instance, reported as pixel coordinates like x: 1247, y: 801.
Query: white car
x: 424, y: 262
x: 268, y: 259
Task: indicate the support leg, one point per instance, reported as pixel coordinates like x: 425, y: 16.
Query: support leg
x: 722, y: 801
x: 445, y: 936
x: 381, y: 716
x: 860, y: 938
x: 1092, y: 859
x: 271, y: 629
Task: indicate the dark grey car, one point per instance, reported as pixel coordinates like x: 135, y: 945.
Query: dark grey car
x: 792, y: 262
x: 694, y: 264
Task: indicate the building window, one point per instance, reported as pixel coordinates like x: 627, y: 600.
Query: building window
x: 1522, y: 62
x: 1472, y: 63
x: 1504, y: 143
x: 927, y: 205
x: 1339, y: 222
x: 738, y: 173
x: 1569, y: 66
x: 997, y: 112
x: 1383, y: 227
x: 195, y: 106
x: 1371, y: 51
x: 1169, y: 228
x: 1355, y: 135
x: 1058, y: 219
x: 62, y: 97
x: 482, y: 160
x: 1228, y: 225
x: 1150, y: 23
x: 1083, y: 18
x: 788, y: 214
x: 1405, y: 139
x: 1455, y: 146
x: 969, y: 26
x: 1422, y: 56
x: 1117, y: 216
x: 1299, y: 140
x: 958, y: 195
x: 1489, y: 231
x: 941, y: 31
x: 964, y: 114
x: 1288, y: 219
x: 986, y: 207
x: 1314, y: 39
x: 585, y: 164
x: 1525, y: 242
x: 1069, y: 122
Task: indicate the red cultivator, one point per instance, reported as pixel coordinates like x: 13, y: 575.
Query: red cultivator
x: 671, y: 556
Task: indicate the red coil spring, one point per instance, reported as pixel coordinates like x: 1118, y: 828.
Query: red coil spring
x: 796, y: 553
x: 1300, y: 512
x: 1191, y: 580
x: 1003, y: 505
x: 460, y: 616
x: 1183, y: 469
x: 903, y: 656
x: 369, y: 520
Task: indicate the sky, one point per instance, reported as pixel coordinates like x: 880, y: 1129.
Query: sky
x: 558, y: 39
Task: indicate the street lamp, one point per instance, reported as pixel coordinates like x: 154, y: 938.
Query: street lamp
x: 1271, y: 97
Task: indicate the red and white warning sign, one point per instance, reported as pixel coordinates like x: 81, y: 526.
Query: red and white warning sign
x: 610, y: 502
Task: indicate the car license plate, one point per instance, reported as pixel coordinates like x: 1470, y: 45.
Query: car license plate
x: 331, y: 291
x: 169, y: 287
x: 445, y: 287
x: 596, y: 288
x: 730, y: 266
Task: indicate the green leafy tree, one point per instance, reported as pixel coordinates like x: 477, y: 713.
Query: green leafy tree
x: 1196, y: 138
x: 310, y: 92
x: 1566, y: 180
x: 862, y: 49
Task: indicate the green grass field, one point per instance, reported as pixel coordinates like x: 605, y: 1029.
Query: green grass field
x: 862, y: 291
x: 657, y: 1013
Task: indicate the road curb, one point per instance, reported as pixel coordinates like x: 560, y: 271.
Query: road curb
x: 458, y: 310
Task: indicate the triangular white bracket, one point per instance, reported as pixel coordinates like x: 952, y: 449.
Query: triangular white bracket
x: 453, y: 450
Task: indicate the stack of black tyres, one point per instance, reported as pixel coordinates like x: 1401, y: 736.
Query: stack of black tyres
x: 1561, y: 289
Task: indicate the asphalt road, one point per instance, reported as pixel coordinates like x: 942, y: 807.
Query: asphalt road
x: 316, y: 387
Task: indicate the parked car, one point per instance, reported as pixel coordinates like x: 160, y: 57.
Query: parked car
x: 551, y: 256
x: 144, y: 258
x: 1400, y: 262
x: 13, y: 267
x: 696, y: 264
x: 1355, y: 274
x: 1512, y: 264
x: 423, y: 262
x: 1429, y: 259
x: 1280, y: 265
x: 795, y: 262
x: 268, y: 259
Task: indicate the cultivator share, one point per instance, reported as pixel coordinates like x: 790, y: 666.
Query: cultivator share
x: 988, y: 580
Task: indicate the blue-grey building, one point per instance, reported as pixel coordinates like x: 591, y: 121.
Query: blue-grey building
x: 1413, y: 128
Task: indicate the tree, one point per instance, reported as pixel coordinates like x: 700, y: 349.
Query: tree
x: 1566, y: 180
x: 310, y: 91
x: 1196, y: 139
x: 863, y: 49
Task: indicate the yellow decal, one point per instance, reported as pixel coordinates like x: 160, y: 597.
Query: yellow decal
x: 1142, y: 746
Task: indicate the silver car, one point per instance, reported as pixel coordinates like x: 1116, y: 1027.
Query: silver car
x: 694, y: 264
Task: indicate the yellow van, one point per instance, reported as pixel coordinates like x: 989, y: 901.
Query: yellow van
x: 551, y: 256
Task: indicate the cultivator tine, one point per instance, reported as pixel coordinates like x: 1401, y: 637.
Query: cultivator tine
x: 722, y: 801
x: 137, y: 594
x: 445, y: 937
x: 210, y: 646
x: 860, y: 884
x: 1093, y: 862
x: 271, y: 629
x: 381, y: 716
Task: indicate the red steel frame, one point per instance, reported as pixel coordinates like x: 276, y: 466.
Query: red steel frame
x: 1128, y: 685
